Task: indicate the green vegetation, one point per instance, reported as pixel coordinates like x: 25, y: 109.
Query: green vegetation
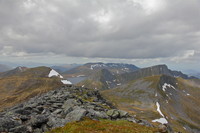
x: 103, y: 126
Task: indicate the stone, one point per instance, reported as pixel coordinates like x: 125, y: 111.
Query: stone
x: 145, y: 123
x: 24, y: 118
x: 69, y: 103
x: 38, y: 121
x: 76, y: 115
x: 122, y: 113
x: 8, y: 123
x: 37, y: 130
x: 19, y: 129
x: 23, y: 112
x: 113, y: 113
x: 57, y: 111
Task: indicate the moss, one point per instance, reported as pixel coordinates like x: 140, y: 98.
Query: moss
x: 103, y: 126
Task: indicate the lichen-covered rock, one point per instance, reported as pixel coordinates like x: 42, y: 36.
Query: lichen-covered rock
x: 113, y: 113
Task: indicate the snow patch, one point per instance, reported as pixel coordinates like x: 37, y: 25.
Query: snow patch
x: 158, y: 109
x: 161, y: 120
x: 119, y: 84
x: 164, y: 87
x: 80, y: 76
x: 66, y: 82
x: 54, y: 73
x: 156, y: 94
x: 188, y: 94
x: 97, y: 65
x: 184, y: 128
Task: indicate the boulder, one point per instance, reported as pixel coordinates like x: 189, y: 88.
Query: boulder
x: 38, y: 121
x: 113, y: 113
x: 122, y: 113
x: 76, y: 115
x: 69, y: 103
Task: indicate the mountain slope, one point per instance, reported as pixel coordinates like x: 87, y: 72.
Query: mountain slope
x: 151, y: 71
x: 177, y: 99
x: 21, y: 84
x: 91, y: 68
x: 105, y: 78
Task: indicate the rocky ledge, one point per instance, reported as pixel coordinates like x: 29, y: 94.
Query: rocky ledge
x: 58, y: 107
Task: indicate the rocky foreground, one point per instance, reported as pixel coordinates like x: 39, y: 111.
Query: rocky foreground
x: 58, y: 107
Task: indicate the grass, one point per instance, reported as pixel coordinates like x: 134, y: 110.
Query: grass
x: 17, y: 89
x: 91, y: 84
x: 103, y: 126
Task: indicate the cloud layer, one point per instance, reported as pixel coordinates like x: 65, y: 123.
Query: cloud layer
x: 128, y: 29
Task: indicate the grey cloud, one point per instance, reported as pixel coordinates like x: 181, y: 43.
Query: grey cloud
x: 100, y: 28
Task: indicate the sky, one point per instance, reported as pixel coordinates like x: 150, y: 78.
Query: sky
x: 140, y: 32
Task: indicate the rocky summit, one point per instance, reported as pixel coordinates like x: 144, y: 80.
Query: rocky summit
x: 58, y: 107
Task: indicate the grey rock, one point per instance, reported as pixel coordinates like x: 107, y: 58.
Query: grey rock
x: 20, y: 129
x: 113, y: 113
x: 57, y: 111
x: 69, y: 103
x: 37, y: 130
x: 8, y: 123
x: 131, y: 119
x: 145, y: 123
x: 123, y: 113
x: 38, y: 121
x: 76, y: 115
x: 23, y: 112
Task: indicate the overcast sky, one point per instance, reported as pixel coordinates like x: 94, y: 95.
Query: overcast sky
x: 142, y: 32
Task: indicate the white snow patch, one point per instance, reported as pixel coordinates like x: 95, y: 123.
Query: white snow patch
x: 156, y: 94
x: 158, y: 109
x: 54, y: 73
x: 83, y: 86
x: 161, y: 120
x: 119, y: 84
x: 184, y: 128
x: 80, y: 76
x: 188, y: 94
x: 164, y: 87
x: 170, y: 94
x: 167, y: 101
x: 97, y: 65
x: 66, y: 82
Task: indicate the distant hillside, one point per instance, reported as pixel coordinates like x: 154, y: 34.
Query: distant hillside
x: 161, y: 98
x: 23, y: 83
x: 91, y: 68
x: 4, y: 68
x: 105, y: 78
x: 151, y: 71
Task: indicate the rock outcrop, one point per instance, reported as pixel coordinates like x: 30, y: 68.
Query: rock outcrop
x: 58, y: 107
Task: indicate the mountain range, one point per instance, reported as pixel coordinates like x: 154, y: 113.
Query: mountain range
x: 168, y: 99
